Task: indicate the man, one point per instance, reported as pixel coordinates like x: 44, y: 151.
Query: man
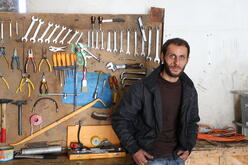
x: 156, y: 119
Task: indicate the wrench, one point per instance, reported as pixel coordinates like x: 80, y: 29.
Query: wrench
x: 62, y: 41
x: 2, y: 31
x: 57, y: 37
x: 115, y: 48
x: 51, y: 34
x: 74, y: 35
x: 102, y: 41
x: 138, y: 73
x: 88, y: 39
x: 121, y: 42
x: 142, y: 28
x: 157, y: 59
x: 142, y: 48
x: 109, y: 42
x: 45, y: 32
x: 92, y: 39
x: 128, y: 42
x: 112, y: 66
x: 148, y: 57
x: 80, y: 36
x: 33, y: 39
x: 135, y: 43
x: 129, y: 78
x: 17, y: 31
x: 97, y: 33
x: 10, y: 29
x: 25, y: 38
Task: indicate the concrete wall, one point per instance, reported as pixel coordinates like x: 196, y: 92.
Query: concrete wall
x: 216, y: 30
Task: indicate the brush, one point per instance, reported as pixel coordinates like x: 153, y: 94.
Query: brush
x: 84, y: 81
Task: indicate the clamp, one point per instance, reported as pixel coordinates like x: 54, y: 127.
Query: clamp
x: 44, y: 58
x: 15, y: 59
x: 57, y: 49
x: 4, y: 80
x: 25, y: 79
x: 43, y: 84
x: 30, y: 58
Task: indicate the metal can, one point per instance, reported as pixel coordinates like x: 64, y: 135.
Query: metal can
x: 6, y: 153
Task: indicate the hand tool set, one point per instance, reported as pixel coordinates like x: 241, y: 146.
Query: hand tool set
x: 49, y: 52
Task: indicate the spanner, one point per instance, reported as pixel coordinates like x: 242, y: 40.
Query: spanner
x: 148, y: 57
x: 33, y: 39
x: 80, y: 36
x: 109, y: 42
x: 10, y: 29
x: 1, y: 31
x: 142, y: 47
x: 112, y: 66
x: 135, y: 43
x: 74, y: 35
x: 62, y: 41
x: 57, y: 37
x: 136, y: 73
x: 45, y: 32
x: 92, y: 39
x: 128, y: 42
x: 97, y: 40
x: 115, y: 48
x: 89, y: 39
x: 25, y: 38
x: 102, y: 41
x: 157, y: 59
x: 121, y: 42
x: 51, y: 34
x: 129, y: 78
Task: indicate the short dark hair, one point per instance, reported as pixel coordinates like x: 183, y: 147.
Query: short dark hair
x: 175, y: 41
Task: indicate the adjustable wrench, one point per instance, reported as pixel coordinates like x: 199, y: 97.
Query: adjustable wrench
x: 112, y: 66
x: 148, y: 57
x: 135, y: 43
x: 45, y: 32
x: 25, y: 38
x: 74, y: 35
x: 88, y: 39
x: 80, y: 36
x: 102, y: 41
x: 137, y: 73
x: 33, y: 39
x: 97, y: 40
x: 121, y: 42
x: 157, y: 59
x: 51, y: 34
x: 109, y: 42
x: 128, y: 42
x: 62, y: 41
x: 115, y: 48
x: 57, y: 37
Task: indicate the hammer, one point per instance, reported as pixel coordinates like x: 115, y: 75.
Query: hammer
x: 19, y: 105
x: 3, y: 103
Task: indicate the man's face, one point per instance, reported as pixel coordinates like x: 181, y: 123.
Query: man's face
x: 175, y: 60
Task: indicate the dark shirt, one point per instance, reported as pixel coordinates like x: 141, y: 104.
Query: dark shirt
x: 171, y: 100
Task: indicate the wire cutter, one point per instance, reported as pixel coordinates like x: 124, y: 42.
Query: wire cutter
x: 3, y: 54
x: 43, y: 85
x: 30, y: 58
x: 44, y: 58
x: 15, y: 59
x: 25, y: 79
x: 4, y: 80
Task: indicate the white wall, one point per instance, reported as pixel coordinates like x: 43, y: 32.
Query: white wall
x: 216, y: 30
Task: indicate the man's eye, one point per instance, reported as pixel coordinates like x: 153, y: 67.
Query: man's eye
x: 182, y: 57
x: 172, y: 56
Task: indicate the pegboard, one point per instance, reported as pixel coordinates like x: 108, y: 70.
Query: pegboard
x: 82, y: 24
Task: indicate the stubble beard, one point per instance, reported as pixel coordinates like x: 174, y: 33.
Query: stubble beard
x: 168, y: 71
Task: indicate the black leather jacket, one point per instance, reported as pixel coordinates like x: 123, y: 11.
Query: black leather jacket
x: 137, y: 120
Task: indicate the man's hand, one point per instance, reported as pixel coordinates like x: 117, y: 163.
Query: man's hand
x: 140, y: 157
x: 183, y: 154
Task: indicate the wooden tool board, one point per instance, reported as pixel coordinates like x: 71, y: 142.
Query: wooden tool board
x: 80, y: 22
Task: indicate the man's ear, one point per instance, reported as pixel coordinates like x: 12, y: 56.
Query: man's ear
x: 162, y: 58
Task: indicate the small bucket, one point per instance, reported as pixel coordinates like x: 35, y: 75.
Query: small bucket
x: 6, y: 153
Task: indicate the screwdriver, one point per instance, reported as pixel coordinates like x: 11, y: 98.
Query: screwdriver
x: 59, y: 65
x: 68, y: 62
x: 63, y: 64
x: 55, y: 63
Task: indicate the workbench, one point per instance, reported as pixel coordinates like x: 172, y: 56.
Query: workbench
x: 235, y: 153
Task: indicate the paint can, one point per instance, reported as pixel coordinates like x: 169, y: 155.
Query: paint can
x: 6, y: 153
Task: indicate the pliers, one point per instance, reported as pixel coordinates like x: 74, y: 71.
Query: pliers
x: 43, y: 85
x: 113, y: 83
x: 25, y: 79
x: 30, y: 58
x: 57, y: 49
x: 3, y: 54
x: 44, y: 58
x: 15, y: 58
x: 4, y: 80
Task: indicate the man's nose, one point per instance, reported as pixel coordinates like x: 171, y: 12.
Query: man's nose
x: 176, y: 61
